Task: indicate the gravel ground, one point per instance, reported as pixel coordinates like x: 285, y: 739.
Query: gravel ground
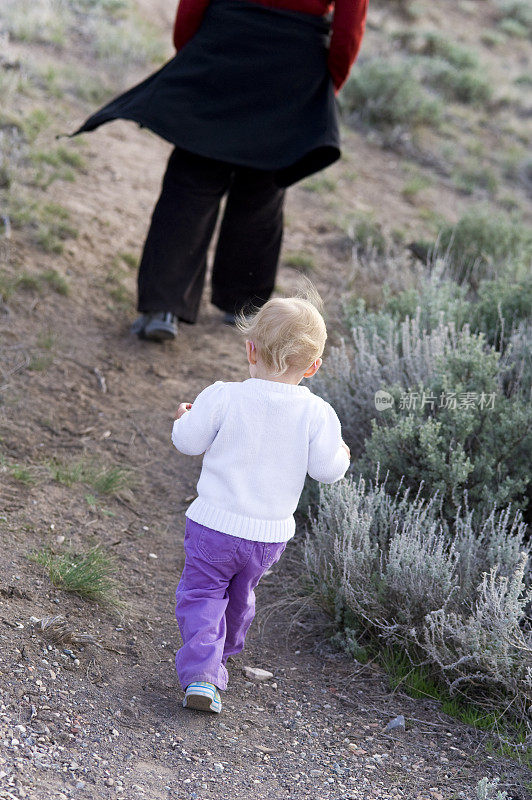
x: 92, y: 722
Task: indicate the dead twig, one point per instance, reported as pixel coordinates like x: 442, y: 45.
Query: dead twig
x: 101, y: 380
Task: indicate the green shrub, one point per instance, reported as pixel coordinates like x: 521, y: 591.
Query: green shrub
x: 428, y: 301
x: 495, y: 309
x: 383, y: 353
x: 500, y: 306
x: 436, y: 45
x: 366, y: 234
x: 386, y: 93
x: 483, y: 244
x: 456, y: 431
x: 518, y: 12
x: 462, y: 415
x: 456, y: 83
x: 470, y: 177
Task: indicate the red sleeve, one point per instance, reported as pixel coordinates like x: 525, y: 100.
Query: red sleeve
x: 349, y: 22
x: 188, y: 19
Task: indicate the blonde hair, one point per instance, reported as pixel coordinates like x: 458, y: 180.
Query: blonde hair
x: 288, y: 332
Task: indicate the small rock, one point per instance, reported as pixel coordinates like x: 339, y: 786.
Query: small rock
x: 257, y: 674
x: 397, y: 724
x: 59, y: 539
x: 218, y: 768
x: 152, y: 555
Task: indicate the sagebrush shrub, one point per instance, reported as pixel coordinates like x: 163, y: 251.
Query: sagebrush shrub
x: 456, y: 82
x: 497, y: 308
x: 434, y: 44
x: 500, y: 307
x: 384, y: 354
x: 517, y: 10
x: 456, y: 431
x: 516, y: 363
x: 461, y: 418
x: 386, y: 93
x: 484, y: 245
x: 487, y: 790
x: 391, y: 570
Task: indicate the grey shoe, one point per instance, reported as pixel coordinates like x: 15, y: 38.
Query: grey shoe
x: 161, y: 326
x: 140, y: 323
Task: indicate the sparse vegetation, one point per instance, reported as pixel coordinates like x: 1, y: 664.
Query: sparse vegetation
x: 300, y: 260
x: 56, y: 281
x: 48, y: 224
x: 471, y: 177
x: 58, y: 164
x: 129, y: 259
x: 455, y: 82
x: 90, y: 575
x: 115, y: 31
x: 114, y: 287
x: 110, y: 480
x: 23, y: 474
x: 40, y: 362
x: 414, y: 186
x: 320, y: 185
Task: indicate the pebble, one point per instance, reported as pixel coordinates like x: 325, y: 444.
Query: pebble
x: 257, y: 674
x: 397, y: 724
x: 218, y: 768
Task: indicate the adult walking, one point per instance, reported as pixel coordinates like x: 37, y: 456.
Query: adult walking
x: 249, y: 103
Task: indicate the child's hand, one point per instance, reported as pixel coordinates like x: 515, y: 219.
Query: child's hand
x: 347, y: 450
x: 182, y: 409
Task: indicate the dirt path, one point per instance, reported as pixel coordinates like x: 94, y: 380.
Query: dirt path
x: 107, y: 721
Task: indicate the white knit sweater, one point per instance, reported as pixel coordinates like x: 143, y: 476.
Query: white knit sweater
x: 260, y: 438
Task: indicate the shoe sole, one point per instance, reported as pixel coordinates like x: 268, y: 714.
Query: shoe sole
x: 200, y: 703
x: 158, y: 335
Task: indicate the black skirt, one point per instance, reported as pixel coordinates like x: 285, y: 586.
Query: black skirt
x: 251, y: 88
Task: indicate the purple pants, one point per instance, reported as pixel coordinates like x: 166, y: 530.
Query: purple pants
x: 215, y: 601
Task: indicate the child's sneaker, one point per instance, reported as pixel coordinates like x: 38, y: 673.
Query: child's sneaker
x: 203, y: 696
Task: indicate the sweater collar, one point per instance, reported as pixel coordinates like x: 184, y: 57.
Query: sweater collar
x: 261, y: 385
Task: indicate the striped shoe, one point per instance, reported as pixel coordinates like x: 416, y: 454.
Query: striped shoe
x: 203, y: 696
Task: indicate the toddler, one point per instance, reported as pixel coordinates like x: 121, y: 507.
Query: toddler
x: 260, y: 437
